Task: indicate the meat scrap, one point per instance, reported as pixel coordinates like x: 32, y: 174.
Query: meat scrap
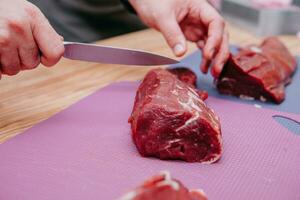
x: 163, y: 187
x: 170, y: 121
x: 258, y: 72
x: 188, y: 76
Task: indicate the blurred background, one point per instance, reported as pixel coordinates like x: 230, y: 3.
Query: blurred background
x: 92, y: 20
x: 263, y: 17
x: 89, y: 20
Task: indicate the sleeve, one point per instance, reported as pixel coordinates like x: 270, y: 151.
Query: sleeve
x: 128, y: 6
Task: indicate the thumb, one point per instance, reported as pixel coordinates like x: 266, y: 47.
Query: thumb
x: 48, y: 41
x: 171, y: 31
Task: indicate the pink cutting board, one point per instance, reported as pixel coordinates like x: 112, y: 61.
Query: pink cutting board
x: 86, y: 152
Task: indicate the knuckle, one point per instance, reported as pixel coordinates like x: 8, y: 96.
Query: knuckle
x: 32, y: 10
x: 61, y: 49
x: 5, y: 38
x: 15, y: 72
x: 11, y: 71
x: 16, y: 23
x: 35, y: 62
x: 222, y: 22
x: 32, y: 63
x: 54, y: 56
x: 29, y: 56
x: 58, y: 52
x: 157, y: 16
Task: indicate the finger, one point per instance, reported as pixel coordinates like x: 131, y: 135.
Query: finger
x: 214, y: 38
x: 10, y: 62
x: 215, y: 25
x: 204, y: 66
x: 204, y: 61
x: 29, y: 56
x: 28, y: 51
x: 173, y: 35
x: 48, y: 41
x: 190, y: 35
x: 193, y: 34
x: 200, y: 44
x: 221, y: 56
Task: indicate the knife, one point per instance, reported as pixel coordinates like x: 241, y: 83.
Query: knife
x: 113, y: 55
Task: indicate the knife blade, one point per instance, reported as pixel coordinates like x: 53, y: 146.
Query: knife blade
x: 113, y: 55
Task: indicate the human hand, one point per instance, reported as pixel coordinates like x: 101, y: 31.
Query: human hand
x: 26, y: 38
x: 193, y: 20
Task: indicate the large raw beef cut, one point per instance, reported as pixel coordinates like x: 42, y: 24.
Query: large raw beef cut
x: 163, y: 187
x: 188, y: 76
x: 258, y: 72
x: 185, y: 75
x: 170, y: 121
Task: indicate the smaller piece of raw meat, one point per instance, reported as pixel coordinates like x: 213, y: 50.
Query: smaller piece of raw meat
x: 188, y: 76
x: 169, y: 120
x: 258, y: 72
x: 163, y: 187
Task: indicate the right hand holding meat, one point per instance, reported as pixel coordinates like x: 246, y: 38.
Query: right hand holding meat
x: 26, y: 38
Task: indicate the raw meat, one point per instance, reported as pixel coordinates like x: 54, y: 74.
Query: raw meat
x: 188, y: 76
x: 185, y: 75
x: 258, y: 72
x: 170, y: 121
x: 163, y: 187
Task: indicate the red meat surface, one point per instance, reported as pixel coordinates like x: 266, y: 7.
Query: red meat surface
x: 170, y: 121
x: 188, y: 76
x: 163, y: 187
x: 258, y: 72
x: 185, y: 75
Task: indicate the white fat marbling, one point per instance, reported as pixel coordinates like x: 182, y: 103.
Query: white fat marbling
x: 190, y: 104
x: 256, y: 49
x: 199, y: 191
x: 174, y: 92
x: 130, y: 195
x: 227, y: 79
x: 245, y: 97
x: 189, y: 121
x: 257, y: 106
x: 168, y: 181
x: 179, y: 87
x: 262, y: 98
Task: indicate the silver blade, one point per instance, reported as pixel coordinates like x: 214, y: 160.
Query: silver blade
x: 113, y: 55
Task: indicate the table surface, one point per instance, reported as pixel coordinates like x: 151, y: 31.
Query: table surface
x: 33, y: 96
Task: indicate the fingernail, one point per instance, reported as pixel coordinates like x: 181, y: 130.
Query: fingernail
x: 178, y: 49
x: 203, y: 68
x: 218, y: 69
x: 214, y: 73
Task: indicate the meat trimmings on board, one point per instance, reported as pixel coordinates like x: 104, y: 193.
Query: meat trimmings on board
x: 163, y: 187
x: 170, y: 121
